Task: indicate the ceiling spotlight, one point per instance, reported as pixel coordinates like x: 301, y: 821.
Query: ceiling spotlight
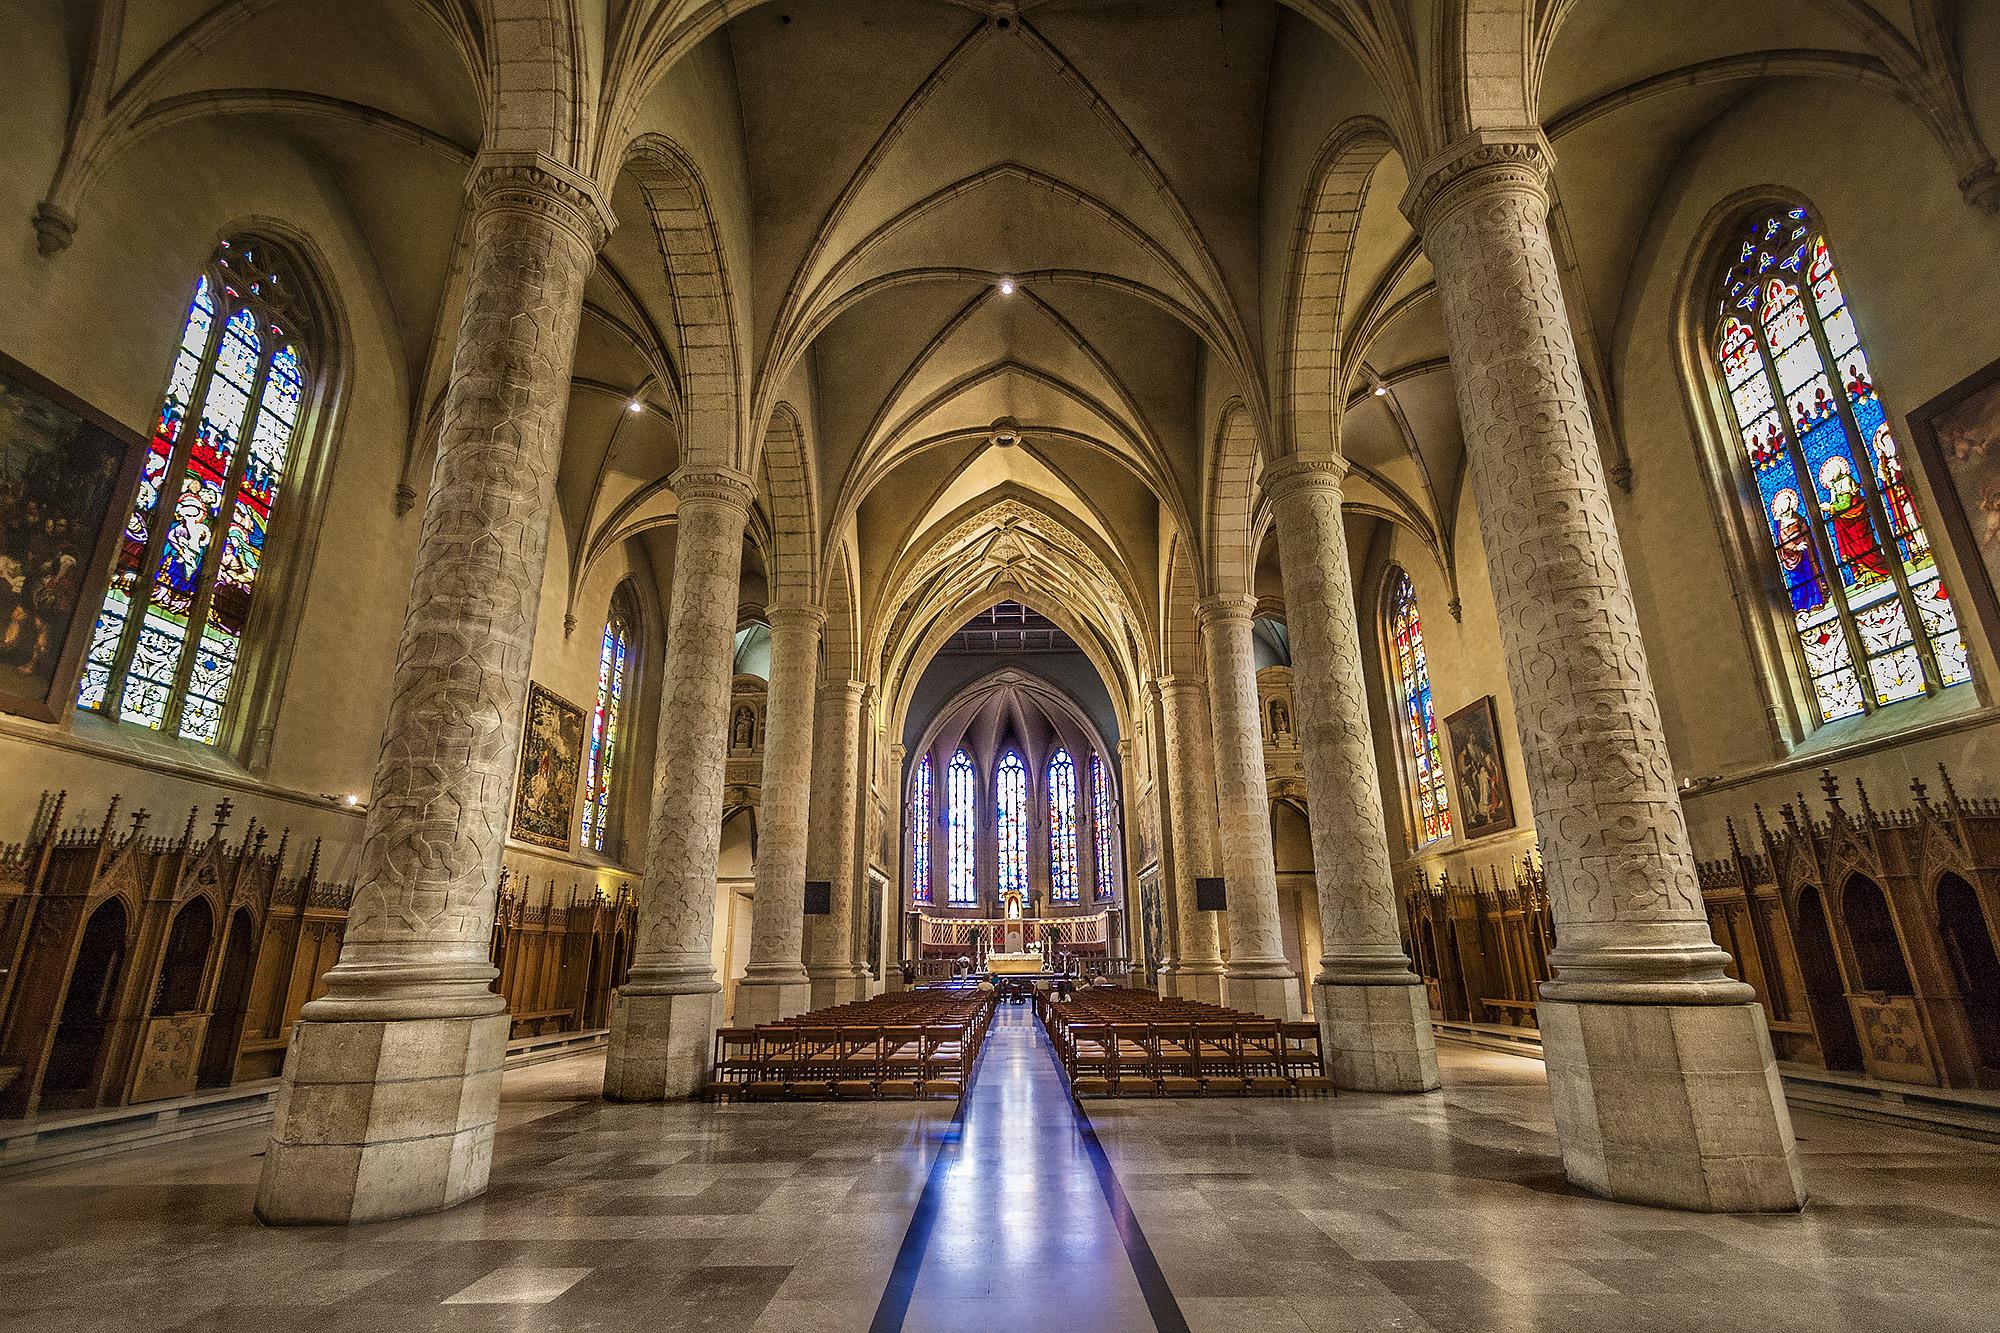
x: 1005, y: 432
x: 1381, y: 389
x: 1006, y: 286
x: 636, y: 406
x: 350, y: 799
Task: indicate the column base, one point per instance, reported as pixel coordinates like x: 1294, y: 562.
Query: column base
x: 1201, y: 987
x: 760, y: 1001
x: 379, y: 1120
x: 1678, y: 1105
x: 1273, y: 997
x: 839, y: 988
x: 1377, y: 1038
x: 661, y: 1044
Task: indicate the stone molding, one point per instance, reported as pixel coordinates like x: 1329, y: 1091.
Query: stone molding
x: 796, y: 615
x: 852, y: 689
x: 1291, y: 474
x: 1481, y: 162
x: 539, y: 185
x: 1223, y: 608
x: 714, y: 485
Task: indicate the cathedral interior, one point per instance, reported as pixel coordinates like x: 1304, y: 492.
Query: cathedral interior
x: 987, y: 664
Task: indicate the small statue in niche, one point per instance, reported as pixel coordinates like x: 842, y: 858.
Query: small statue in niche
x: 743, y: 730
x: 1281, y: 718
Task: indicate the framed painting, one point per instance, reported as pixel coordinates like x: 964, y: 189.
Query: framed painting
x: 551, y: 759
x: 67, y: 475
x: 1958, y: 444
x: 1485, y: 805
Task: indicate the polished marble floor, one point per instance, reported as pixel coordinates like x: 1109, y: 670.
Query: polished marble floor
x: 1441, y: 1213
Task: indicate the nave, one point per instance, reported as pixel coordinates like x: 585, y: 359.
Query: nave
x: 1445, y: 1213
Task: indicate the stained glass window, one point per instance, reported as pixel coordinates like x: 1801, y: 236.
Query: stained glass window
x: 961, y: 884
x: 1869, y: 610
x: 613, y: 665
x: 169, y: 637
x: 920, y: 833
x: 1104, y: 829
x: 1413, y: 693
x: 1010, y: 823
x: 1063, y: 867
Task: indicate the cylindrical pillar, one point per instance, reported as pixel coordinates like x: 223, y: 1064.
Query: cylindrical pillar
x: 393, y: 1077
x: 1197, y: 966
x: 664, y: 1018
x: 1646, y: 1035
x: 774, y: 984
x: 836, y: 979
x: 1374, y: 1016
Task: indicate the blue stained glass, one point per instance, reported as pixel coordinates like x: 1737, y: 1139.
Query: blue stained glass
x: 961, y: 882
x: 1063, y: 857
x: 602, y: 754
x: 1413, y: 676
x: 1104, y: 829
x: 1815, y: 477
x: 245, y: 377
x: 1010, y: 781
x: 921, y: 817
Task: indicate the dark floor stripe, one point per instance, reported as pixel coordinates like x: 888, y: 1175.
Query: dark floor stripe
x: 895, y: 1303
x: 1167, y: 1316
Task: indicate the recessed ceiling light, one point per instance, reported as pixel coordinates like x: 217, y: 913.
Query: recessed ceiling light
x: 1381, y: 389
x: 1006, y: 286
x: 636, y: 406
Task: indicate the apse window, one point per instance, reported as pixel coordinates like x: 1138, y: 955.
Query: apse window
x: 169, y: 641
x: 1868, y: 611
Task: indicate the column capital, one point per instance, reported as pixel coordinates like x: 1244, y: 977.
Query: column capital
x: 848, y: 691
x: 1179, y: 682
x: 1223, y: 607
x: 714, y: 485
x: 537, y: 183
x: 1297, y: 475
x: 801, y: 616
x: 1482, y: 161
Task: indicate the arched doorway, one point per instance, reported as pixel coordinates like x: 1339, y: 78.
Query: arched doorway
x: 1871, y: 930
x: 591, y: 1011
x: 1826, y: 995
x: 232, y: 1002
x: 86, y: 1011
x: 1975, y: 968
x: 179, y: 991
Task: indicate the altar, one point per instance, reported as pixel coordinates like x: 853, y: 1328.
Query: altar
x: 1028, y: 962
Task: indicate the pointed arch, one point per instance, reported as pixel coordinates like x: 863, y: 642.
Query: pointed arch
x: 712, y: 354
x: 1309, y: 403
x: 791, y: 490
x: 1236, y: 463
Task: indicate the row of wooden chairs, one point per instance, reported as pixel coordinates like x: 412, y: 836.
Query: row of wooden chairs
x: 894, y: 1046
x: 1128, y: 1043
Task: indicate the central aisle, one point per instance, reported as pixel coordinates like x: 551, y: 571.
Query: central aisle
x: 1014, y: 1230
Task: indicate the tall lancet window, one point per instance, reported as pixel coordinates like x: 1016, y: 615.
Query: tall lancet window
x: 1104, y: 829
x: 920, y: 833
x: 1413, y: 697
x: 1063, y: 865
x: 1010, y: 786
x: 601, y: 761
x: 169, y: 637
x: 961, y: 883
x: 1855, y: 563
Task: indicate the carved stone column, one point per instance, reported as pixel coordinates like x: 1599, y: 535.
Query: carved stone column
x: 664, y: 1017
x: 836, y: 979
x: 392, y: 1082
x: 1196, y: 972
x: 1659, y: 1065
x: 774, y: 982
x: 1374, y: 1017
x: 1257, y: 979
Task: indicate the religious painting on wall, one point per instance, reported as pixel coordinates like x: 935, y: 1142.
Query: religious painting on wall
x: 1959, y: 443
x: 1485, y: 805
x: 65, y: 471
x: 551, y: 758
